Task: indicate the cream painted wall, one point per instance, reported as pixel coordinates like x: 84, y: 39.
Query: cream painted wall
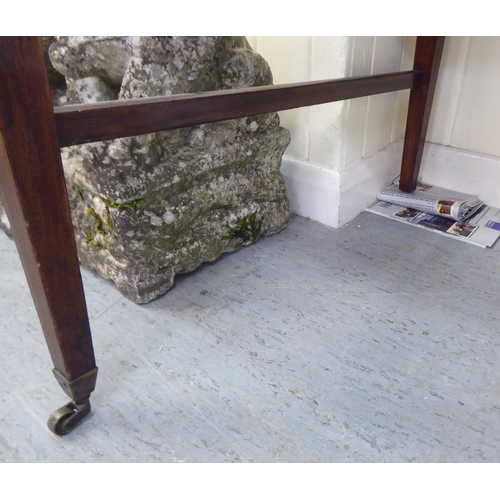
x: 334, y: 135
x: 463, y: 149
x: 466, y: 114
x: 374, y: 122
x: 327, y: 176
x: 342, y: 153
x: 316, y: 135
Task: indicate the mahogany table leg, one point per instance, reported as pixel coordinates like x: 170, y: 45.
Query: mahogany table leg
x: 33, y: 192
x: 427, y: 59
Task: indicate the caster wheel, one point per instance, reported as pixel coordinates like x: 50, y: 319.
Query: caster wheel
x: 58, y: 419
x: 66, y: 418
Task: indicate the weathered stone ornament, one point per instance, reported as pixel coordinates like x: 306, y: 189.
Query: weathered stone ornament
x: 149, y: 207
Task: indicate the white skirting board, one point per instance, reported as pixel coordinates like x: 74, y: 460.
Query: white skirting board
x: 462, y: 170
x: 335, y: 197
x: 313, y: 191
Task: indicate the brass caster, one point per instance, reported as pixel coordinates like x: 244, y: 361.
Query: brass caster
x: 66, y: 418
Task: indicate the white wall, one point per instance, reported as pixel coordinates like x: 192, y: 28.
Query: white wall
x: 315, y: 134
x: 373, y: 125
x: 315, y: 156
x: 466, y: 113
x: 342, y: 153
x: 464, y: 131
x: 330, y: 167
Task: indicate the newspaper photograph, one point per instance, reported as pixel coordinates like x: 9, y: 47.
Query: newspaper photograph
x: 433, y: 200
x: 481, y: 229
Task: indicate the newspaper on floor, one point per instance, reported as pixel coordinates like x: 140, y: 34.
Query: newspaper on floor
x: 433, y: 200
x: 482, y: 228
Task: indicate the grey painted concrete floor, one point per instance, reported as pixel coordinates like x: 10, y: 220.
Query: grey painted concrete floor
x: 373, y: 343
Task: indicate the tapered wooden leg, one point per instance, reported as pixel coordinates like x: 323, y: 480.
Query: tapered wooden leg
x: 33, y: 191
x: 428, y: 53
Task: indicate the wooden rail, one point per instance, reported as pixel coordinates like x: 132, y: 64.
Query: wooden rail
x: 82, y: 123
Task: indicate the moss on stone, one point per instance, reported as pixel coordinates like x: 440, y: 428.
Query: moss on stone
x: 109, y: 221
x: 99, y: 226
x: 247, y: 228
x: 132, y: 205
x: 94, y: 244
x: 162, y: 269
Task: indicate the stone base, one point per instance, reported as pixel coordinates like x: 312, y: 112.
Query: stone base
x: 198, y: 205
x: 147, y: 208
